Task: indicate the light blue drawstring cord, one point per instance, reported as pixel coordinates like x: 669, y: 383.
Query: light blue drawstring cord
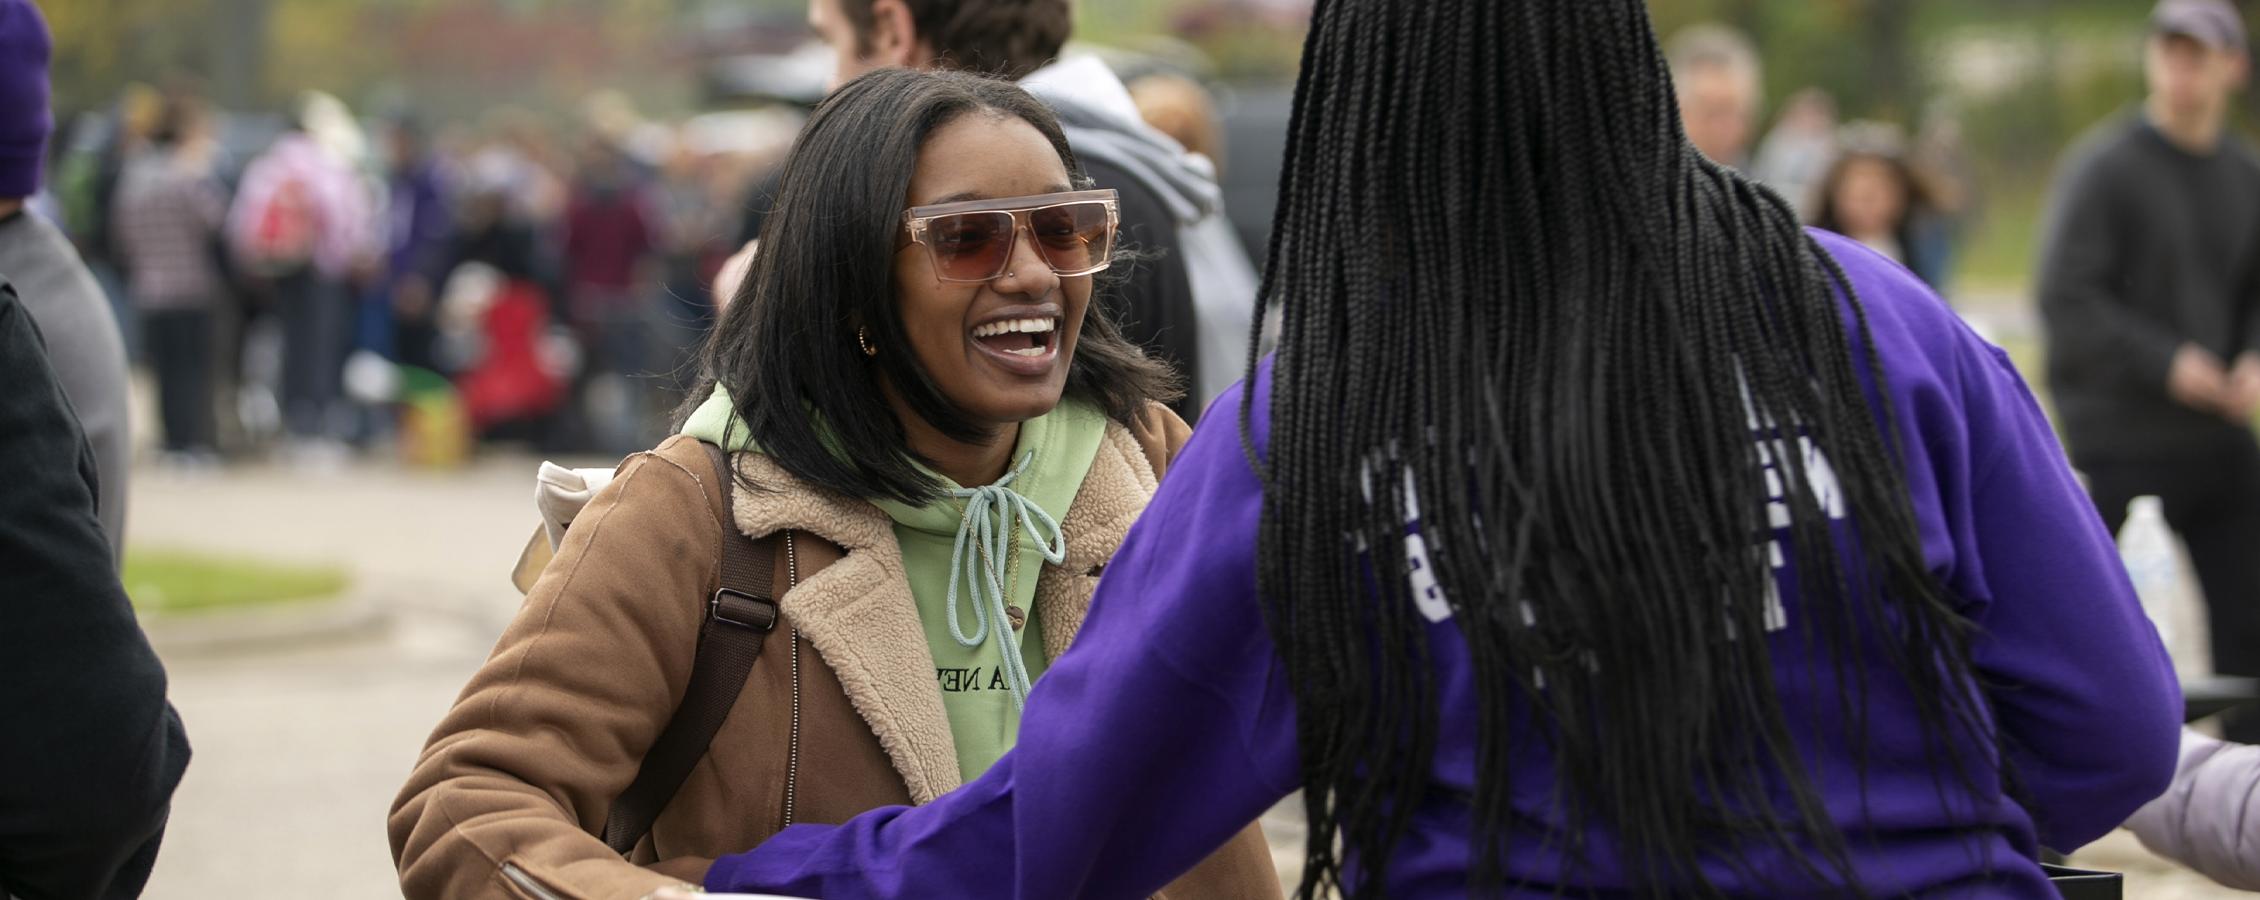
x: 990, y: 514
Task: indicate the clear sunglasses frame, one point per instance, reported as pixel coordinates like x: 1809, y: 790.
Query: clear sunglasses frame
x: 918, y: 222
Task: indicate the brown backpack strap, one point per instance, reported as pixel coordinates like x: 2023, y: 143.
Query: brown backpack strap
x: 739, y: 616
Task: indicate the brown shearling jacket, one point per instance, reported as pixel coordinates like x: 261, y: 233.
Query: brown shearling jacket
x: 517, y: 780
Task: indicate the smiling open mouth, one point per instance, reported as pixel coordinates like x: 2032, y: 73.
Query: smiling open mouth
x: 1030, y: 338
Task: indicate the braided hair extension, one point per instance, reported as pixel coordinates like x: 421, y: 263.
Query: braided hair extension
x: 1516, y: 297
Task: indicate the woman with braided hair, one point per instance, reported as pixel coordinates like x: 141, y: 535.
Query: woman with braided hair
x: 1595, y: 531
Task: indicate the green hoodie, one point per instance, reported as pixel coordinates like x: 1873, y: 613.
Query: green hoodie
x: 982, y: 667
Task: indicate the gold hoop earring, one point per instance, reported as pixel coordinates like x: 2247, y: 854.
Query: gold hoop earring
x: 865, y: 343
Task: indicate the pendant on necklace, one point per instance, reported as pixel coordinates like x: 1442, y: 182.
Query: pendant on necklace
x: 1017, y: 616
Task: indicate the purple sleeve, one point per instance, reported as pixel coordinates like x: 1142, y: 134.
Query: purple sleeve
x: 1163, y: 732
x: 2085, y: 696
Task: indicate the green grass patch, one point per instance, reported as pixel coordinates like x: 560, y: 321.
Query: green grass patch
x: 2004, y: 248
x: 170, y: 582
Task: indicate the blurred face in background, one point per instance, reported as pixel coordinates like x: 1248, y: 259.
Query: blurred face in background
x: 890, y: 38
x: 1179, y: 107
x: 2190, y: 79
x: 1719, y: 104
x: 1811, y: 112
x: 603, y: 166
x: 482, y: 211
x: 404, y: 147
x: 1870, y: 197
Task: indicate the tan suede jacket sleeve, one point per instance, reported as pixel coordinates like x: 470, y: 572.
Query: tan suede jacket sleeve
x: 554, y: 726
x: 1161, y: 433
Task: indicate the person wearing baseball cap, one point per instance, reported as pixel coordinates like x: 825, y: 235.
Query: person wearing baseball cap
x: 2150, y: 293
x: 2215, y: 23
x: 2197, y: 61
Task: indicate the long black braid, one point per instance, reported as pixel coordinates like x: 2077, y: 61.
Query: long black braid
x: 1509, y: 282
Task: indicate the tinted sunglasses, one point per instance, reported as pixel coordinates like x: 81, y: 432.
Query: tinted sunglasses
x: 974, y: 241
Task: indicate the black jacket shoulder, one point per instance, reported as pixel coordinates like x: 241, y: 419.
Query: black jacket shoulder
x: 93, y: 749
x: 1154, y: 303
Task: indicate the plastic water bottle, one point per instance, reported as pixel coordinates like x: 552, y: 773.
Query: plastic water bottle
x: 2160, y: 569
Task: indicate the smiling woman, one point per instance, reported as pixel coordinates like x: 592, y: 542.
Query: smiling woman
x: 880, y: 290
x: 916, y: 390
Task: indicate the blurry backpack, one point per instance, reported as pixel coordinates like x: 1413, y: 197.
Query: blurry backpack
x: 283, y: 229
x: 512, y: 380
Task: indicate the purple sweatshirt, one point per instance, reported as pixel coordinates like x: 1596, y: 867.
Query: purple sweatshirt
x: 1170, y: 724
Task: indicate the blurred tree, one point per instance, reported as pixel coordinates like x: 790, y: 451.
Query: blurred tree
x: 464, y: 54
x: 101, y: 45
x: 1881, y: 58
x: 239, y: 51
x: 1890, y: 52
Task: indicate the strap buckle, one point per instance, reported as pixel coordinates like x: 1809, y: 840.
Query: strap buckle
x: 743, y: 610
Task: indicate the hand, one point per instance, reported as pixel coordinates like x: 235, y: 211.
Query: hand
x: 2244, y: 388
x: 2199, y: 381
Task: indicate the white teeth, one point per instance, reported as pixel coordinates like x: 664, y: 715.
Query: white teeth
x: 1016, y: 326
x: 1031, y: 352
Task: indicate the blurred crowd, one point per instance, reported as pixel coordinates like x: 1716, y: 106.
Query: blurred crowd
x: 1908, y: 193
x: 334, y: 279
x: 330, y: 281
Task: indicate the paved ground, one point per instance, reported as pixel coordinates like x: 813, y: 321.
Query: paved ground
x: 299, y: 748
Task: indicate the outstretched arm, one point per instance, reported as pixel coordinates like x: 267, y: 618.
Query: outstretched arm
x: 1165, y: 730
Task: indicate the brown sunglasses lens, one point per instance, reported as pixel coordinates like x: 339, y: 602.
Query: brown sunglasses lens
x: 971, y: 246
x: 1075, y: 238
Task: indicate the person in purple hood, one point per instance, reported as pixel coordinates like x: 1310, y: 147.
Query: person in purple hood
x: 1595, y: 531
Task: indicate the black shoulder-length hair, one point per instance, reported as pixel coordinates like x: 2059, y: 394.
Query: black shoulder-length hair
x: 786, y: 348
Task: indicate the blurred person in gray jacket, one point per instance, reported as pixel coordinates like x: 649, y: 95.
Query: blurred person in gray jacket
x: 58, y: 291
x: 1105, y: 128
x: 1190, y: 299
